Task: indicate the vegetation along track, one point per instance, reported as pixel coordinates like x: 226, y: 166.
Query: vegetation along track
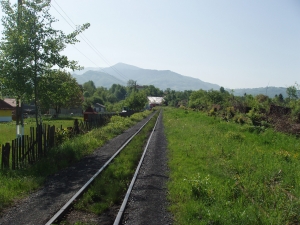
x: 40, y: 207
x: 145, y: 201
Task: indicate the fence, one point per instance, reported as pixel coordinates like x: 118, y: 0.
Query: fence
x: 30, y: 148
x: 27, y: 149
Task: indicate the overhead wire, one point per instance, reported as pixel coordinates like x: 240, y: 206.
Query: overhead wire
x: 89, y: 43
x: 73, y: 45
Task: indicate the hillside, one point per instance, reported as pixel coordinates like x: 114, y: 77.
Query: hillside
x: 99, y: 78
x: 269, y: 91
x: 162, y: 79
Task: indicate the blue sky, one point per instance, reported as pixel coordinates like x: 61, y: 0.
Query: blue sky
x: 232, y: 43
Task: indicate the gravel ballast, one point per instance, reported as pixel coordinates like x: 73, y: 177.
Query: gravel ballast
x: 148, y: 200
x: 41, y: 205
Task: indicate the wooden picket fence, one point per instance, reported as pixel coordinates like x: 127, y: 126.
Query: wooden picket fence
x: 28, y: 149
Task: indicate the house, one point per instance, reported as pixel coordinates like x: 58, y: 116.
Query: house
x: 155, y: 101
x: 7, y: 107
x: 99, y: 108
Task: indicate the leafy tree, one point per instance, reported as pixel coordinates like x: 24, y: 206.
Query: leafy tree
x: 86, y: 94
x: 59, y: 90
x: 198, y: 99
x: 136, y: 100
x: 97, y: 99
x: 131, y: 86
x: 118, y: 91
x: 101, y: 92
x: 31, y: 47
x: 89, y: 87
x: 292, y: 92
x: 151, y: 90
x: 280, y: 98
x: 222, y: 90
x: 215, y: 97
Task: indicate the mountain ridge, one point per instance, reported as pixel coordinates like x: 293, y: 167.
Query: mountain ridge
x: 120, y: 73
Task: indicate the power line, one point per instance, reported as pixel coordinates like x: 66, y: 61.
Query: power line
x: 85, y: 39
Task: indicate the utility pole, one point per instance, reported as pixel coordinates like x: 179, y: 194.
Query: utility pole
x: 19, y: 110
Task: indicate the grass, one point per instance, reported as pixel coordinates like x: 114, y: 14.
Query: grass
x: 225, y: 173
x: 8, y: 129
x: 110, y: 187
x: 17, y: 184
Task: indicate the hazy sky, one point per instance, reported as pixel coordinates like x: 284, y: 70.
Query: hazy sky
x: 232, y: 43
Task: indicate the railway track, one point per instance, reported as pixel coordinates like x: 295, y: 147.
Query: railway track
x: 59, y: 189
x: 65, y: 208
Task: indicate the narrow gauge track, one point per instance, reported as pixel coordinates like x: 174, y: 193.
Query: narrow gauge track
x: 66, y: 207
x: 42, y: 204
x: 126, y: 198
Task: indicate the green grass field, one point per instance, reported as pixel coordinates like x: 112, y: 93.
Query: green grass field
x: 8, y: 129
x: 225, y: 173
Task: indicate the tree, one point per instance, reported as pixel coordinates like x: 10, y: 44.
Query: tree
x: 31, y: 47
x: 60, y: 90
x: 280, y: 98
x: 222, y: 89
x: 151, y: 90
x: 136, y: 101
x: 292, y: 92
x: 89, y: 87
x: 119, y: 91
x: 131, y: 86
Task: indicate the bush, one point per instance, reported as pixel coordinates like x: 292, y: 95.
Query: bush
x: 241, y: 119
x: 62, y: 135
x: 296, y: 113
x: 255, y: 117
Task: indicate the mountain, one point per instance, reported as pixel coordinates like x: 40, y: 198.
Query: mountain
x: 80, y: 72
x: 269, y: 91
x: 99, y: 78
x: 161, y: 79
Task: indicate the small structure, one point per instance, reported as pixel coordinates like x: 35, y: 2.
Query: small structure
x: 99, y: 108
x: 7, y: 107
x: 87, y: 112
x: 155, y: 101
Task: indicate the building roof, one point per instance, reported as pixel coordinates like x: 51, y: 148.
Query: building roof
x: 99, y: 105
x: 11, y: 101
x: 5, y: 105
x: 155, y: 100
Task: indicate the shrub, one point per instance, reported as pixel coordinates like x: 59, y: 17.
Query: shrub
x: 255, y: 116
x: 241, y: 119
x: 230, y: 112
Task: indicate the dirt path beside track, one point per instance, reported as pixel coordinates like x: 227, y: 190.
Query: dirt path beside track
x: 41, y: 205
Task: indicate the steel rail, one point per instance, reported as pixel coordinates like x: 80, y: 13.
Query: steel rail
x: 122, y: 208
x: 86, y: 185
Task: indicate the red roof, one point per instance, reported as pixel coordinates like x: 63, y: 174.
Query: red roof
x: 5, y: 105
